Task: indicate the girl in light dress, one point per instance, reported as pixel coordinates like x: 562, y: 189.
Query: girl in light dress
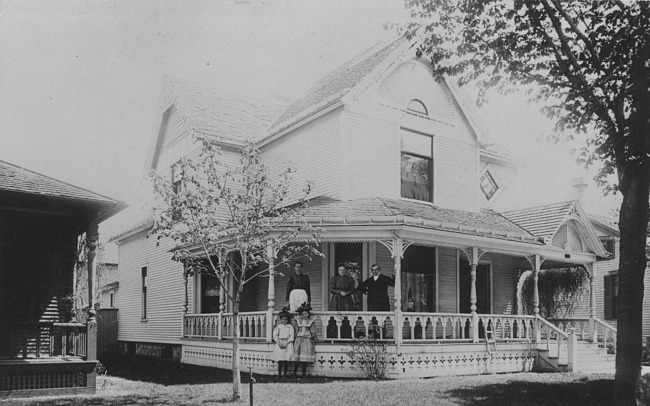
x: 283, y: 335
x: 304, y: 351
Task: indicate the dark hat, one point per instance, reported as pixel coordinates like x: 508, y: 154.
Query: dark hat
x: 305, y: 307
x: 285, y: 313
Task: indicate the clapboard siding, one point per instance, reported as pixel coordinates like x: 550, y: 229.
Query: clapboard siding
x: 371, y: 157
x: 165, y: 291
x: 504, y: 276
x: 455, y: 174
x: 314, y: 150
x: 447, y: 280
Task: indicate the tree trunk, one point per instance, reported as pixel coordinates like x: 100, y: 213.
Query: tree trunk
x: 634, y: 177
x: 236, y: 367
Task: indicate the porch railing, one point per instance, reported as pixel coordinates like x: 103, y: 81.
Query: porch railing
x: 551, y: 335
x: 348, y: 326
x: 252, y: 325
x: 43, y: 339
x: 586, y: 329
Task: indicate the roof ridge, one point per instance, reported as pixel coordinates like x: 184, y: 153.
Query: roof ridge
x: 171, y: 80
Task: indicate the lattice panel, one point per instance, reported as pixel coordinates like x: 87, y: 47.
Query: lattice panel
x: 45, y: 380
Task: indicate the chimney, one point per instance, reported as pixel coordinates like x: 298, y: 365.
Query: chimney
x: 579, y: 188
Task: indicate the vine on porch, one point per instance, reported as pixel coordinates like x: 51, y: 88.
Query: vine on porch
x: 560, y: 291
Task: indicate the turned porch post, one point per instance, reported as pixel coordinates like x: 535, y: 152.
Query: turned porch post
x: 185, y: 298
x: 593, y: 334
x: 472, y: 294
x: 536, y: 268
x: 222, y: 296
x: 271, y: 254
x: 398, y: 253
x: 91, y: 324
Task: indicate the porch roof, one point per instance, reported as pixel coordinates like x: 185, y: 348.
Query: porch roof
x: 382, y: 211
x: 542, y: 221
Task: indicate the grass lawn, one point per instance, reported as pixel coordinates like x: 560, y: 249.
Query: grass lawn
x: 147, y: 382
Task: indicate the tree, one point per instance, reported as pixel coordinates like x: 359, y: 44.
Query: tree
x: 224, y: 218
x: 588, y: 61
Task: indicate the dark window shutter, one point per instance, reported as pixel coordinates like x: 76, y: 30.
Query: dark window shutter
x: 608, y: 297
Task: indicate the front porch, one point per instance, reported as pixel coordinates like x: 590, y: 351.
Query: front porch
x: 430, y: 344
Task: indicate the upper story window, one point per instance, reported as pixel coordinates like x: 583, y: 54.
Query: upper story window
x: 610, y: 246
x: 416, y: 166
x: 416, y: 106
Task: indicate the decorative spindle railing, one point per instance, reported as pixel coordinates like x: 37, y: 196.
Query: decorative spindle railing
x: 251, y: 325
x: 348, y: 326
x: 43, y: 340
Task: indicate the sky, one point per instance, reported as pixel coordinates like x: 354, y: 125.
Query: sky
x: 80, y: 81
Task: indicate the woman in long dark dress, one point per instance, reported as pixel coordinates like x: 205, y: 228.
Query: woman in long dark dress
x: 341, y: 288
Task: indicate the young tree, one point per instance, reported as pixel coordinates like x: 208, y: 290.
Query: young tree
x: 224, y: 218
x: 588, y: 60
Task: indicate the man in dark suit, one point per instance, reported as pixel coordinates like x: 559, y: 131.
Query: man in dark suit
x: 376, y: 287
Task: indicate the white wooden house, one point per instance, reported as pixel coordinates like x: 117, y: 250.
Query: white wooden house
x: 405, y: 177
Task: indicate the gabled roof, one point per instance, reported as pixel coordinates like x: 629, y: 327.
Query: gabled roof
x: 335, y: 85
x: 14, y: 178
x: 545, y: 221
x: 383, y: 211
x: 542, y: 221
x: 220, y: 114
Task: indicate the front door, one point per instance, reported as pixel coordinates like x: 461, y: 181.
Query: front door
x: 483, y: 288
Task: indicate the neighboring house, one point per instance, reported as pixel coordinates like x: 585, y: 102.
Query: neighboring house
x: 109, y: 286
x: 405, y: 177
x: 41, y: 351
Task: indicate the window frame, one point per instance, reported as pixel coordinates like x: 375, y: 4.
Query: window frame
x: 144, y: 282
x: 610, y: 302
x: 430, y: 158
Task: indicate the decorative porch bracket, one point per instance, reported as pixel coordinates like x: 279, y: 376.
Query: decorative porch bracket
x: 397, y: 246
x: 536, y: 262
x: 473, y: 255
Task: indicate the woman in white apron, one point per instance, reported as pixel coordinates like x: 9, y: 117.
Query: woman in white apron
x: 298, y: 289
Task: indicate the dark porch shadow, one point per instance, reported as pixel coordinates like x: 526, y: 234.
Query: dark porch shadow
x: 168, y: 373
x: 578, y: 393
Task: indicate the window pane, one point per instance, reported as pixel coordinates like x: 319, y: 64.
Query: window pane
x: 416, y: 143
x: 416, y: 178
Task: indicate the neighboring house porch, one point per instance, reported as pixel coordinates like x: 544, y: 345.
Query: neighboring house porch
x: 42, y: 350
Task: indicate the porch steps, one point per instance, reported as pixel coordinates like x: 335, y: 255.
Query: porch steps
x: 590, y: 358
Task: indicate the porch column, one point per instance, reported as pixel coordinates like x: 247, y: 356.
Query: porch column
x: 185, y: 298
x: 91, y: 324
x: 271, y: 253
x: 222, y: 296
x: 593, y: 334
x: 398, y: 253
x: 536, y: 268
x: 472, y: 294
